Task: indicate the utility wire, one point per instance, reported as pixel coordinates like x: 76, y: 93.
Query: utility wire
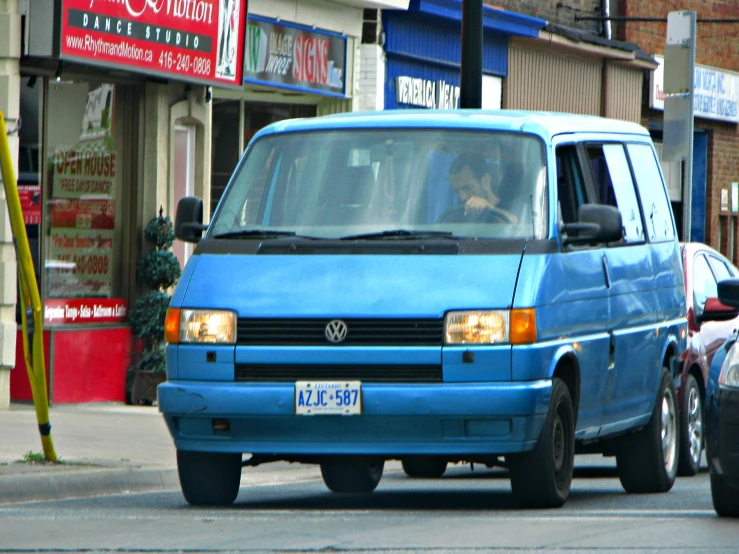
x: 654, y: 19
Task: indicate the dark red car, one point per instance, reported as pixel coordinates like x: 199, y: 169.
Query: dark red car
x: 710, y: 324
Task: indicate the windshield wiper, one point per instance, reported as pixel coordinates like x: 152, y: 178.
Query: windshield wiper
x: 401, y: 234
x: 259, y: 234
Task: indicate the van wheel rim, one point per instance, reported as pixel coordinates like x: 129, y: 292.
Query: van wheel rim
x: 695, y: 424
x: 669, y: 429
x: 558, y: 443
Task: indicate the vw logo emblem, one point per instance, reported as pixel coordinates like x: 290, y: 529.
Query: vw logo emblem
x: 336, y: 331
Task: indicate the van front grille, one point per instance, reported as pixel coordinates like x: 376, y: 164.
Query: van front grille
x: 365, y: 373
x: 361, y: 332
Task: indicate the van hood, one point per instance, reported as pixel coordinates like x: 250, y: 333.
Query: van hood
x: 314, y: 286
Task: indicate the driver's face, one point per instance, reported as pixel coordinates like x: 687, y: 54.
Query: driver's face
x: 466, y: 185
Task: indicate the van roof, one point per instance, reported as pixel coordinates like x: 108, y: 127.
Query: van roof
x: 545, y: 124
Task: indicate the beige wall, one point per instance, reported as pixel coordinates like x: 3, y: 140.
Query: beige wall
x: 550, y: 82
x: 10, y: 24
x: 557, y: 75
x: 623, y: 92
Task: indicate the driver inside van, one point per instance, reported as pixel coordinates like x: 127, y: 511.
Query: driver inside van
x: 471, y: 178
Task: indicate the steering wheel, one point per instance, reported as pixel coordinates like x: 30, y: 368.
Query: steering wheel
x: 490, y: 214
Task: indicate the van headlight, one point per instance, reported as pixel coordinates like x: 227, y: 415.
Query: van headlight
x: 200, y: 326
x: 490, y: 327
x: 729, y: 376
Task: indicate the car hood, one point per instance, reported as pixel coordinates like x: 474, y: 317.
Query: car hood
x: 290, y: 286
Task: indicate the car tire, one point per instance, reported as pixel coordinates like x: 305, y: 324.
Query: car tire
x: 647, y: 460
x: 691, y: 429
x: 542, y: 477
x: 424, y: 467
x: 209, y: 479
x: 351, y: 477
x: 725, y: 495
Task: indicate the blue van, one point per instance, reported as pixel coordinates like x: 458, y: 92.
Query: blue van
x: 502, y: 288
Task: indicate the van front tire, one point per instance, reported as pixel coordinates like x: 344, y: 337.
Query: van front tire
x: 209, y: 479
x: 647, y: 460
x: 351, y: 477
x: 542, y: 478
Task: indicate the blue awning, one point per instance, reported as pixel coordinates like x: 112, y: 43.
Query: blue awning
x: 501, y: 21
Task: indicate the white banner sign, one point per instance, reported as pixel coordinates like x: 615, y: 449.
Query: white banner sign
x: 423, y: 93
x: 715, y: 94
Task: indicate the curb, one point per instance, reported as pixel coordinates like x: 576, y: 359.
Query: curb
x: 59, y: 486
x: 44, y: 487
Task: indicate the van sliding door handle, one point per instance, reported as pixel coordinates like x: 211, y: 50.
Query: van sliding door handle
x: 605, y: 271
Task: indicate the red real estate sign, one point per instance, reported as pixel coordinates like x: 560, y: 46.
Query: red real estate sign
x: 193, y: 40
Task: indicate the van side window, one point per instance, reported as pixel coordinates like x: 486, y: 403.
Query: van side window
x: 570, y: 184
x: 657, y: 213
x: 615, y: 187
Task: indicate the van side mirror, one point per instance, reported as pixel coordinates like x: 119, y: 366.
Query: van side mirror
x: 728, y: 292
x: 596, y: 223
x: 188, y: 221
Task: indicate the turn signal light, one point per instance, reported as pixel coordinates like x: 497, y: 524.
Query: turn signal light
x: 172, y: 326
x: 523, y: 326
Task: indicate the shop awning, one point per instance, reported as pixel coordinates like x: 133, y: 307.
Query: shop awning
x: 493, y: 19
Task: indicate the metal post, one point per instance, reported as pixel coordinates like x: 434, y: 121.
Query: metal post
x: 688, y: 184
x: 470, y: 94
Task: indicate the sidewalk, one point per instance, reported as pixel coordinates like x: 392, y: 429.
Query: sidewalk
x: 102, y: 449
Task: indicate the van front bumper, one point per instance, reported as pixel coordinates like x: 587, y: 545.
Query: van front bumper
x: 446, y: 419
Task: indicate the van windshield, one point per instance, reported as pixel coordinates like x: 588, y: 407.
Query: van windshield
x: 378, y: 184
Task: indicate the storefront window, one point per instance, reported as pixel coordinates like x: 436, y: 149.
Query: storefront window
x: 225, y: 147
x: 82, y: 246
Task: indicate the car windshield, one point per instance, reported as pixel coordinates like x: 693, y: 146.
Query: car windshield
x: 387, y: 184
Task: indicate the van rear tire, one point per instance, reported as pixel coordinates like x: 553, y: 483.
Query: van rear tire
x: 209, y: 479
x: 424, y: 467
x: 647, y: 460
x: 542, y: 478
x: 350, y: 477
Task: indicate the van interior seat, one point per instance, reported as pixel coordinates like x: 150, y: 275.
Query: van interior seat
x: 347, y: 194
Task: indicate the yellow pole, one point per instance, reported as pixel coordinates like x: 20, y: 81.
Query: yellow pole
x: 35, y: 359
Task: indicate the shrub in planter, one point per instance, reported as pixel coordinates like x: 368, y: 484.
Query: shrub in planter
x: 158, y: 270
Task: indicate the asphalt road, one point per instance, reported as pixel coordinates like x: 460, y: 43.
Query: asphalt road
x: 464, y: 511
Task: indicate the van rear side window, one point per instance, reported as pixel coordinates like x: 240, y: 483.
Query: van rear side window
x: 657, y: 213
x: 615, y: 187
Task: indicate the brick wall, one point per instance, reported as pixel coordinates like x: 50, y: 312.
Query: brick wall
x: 717, y: 45
x: 548, y: 10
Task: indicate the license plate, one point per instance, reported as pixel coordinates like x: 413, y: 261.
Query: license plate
x: 328, y: 397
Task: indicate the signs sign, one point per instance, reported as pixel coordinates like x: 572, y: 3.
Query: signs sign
x: 715, y: 92
x: 194, y: 40
x: 295, y: 57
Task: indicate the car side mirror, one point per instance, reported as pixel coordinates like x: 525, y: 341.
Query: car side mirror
x: 715, y: 310
x: 188, y: 221
x: 728, y: 292
x: 596, y: 223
